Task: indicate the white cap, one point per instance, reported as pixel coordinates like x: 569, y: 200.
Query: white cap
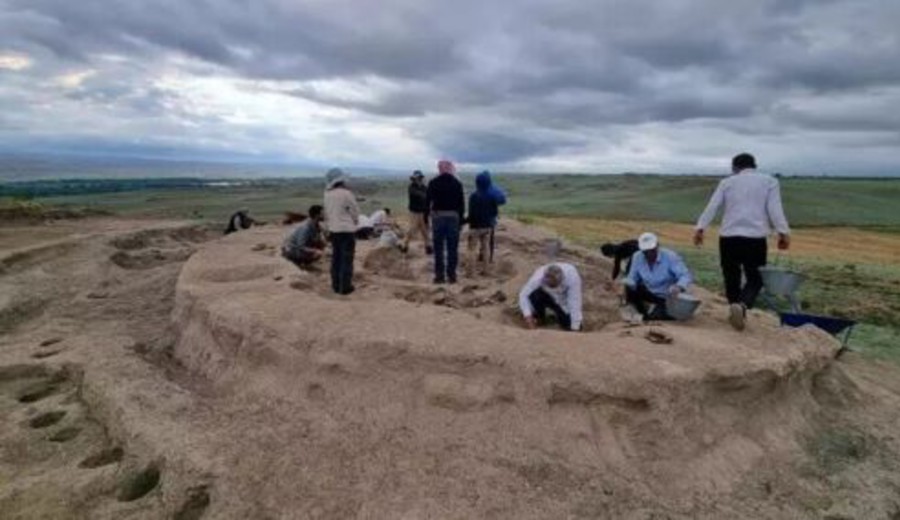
x: 647, y: 241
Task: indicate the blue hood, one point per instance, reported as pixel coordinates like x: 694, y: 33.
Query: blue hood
x: 483, y: 181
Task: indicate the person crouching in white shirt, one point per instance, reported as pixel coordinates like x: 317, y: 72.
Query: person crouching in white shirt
x: 556, y: 288
x: 752, y: 207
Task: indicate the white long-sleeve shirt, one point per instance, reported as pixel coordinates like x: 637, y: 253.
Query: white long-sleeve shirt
x: 567, y: 295
x: 752, y: 204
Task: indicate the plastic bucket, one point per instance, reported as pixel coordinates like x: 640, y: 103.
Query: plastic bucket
x: 779, y: 281
x: 682, y: 306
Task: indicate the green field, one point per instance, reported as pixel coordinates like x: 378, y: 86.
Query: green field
x: 852, y: 273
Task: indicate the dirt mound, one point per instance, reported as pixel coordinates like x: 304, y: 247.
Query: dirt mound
x: 439, y: 388
x: 233, y: 385
x: 390, y: 262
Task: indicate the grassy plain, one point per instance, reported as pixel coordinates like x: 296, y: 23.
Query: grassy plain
x: 846, y: 231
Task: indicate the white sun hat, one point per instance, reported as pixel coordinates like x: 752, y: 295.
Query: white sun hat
x: 647, y: 241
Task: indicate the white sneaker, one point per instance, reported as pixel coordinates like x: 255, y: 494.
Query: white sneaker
x: 737, y: 316
x: 630, y: 314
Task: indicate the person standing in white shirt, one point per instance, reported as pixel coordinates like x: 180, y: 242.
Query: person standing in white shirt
x: 555, y: 287
x: 752, y: 207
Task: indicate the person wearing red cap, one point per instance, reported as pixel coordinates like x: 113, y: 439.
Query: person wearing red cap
x: 446, y: 203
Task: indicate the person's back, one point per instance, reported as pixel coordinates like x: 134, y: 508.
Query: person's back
x: 418, y: 197
x: 482, y: 210
x: 341, y: 211
x: 447, y: 204
x: 445, y: 194
x: 746, y: 198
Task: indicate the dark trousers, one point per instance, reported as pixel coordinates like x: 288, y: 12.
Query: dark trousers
x: 541, y: 302
x: 343, y: 248
x: 445, y: 230
x: 640, y: 296
x: 742, y: 256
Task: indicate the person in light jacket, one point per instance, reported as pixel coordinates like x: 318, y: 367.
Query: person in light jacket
x: 341, y: 219
x: 751, y: 204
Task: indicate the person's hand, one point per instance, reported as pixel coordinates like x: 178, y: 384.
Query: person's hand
x: 675, y: 290
x: 698, y: 238
x: 530, y: 323
x: 784, y: 241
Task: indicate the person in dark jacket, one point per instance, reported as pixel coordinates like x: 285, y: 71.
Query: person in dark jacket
x: 238, y: 221
x: 484, y: 206
x: 619, y: 252
x: 446, y: 203
x: 418, y: 212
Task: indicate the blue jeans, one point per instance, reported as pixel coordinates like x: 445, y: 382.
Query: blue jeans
x: 343, y: 248
x: 445, y: 230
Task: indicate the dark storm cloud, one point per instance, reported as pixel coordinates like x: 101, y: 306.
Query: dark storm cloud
x: 479, y: 81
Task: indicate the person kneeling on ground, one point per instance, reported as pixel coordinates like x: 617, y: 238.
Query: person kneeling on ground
x: 304, y: 245
x: 656, y: 273
x: 238, y: 221
x: 555, y: 287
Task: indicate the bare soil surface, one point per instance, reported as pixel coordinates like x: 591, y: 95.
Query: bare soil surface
x: 158, y: 370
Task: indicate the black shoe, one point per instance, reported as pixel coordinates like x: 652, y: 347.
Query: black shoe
x: 349, y: 291
x: 452, y: 279
x: 439, y: 281
x: 429, y: 250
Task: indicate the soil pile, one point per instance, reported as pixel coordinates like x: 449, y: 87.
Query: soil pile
x: 234, y: 385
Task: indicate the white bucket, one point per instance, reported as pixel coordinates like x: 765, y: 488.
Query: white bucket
x: 682, y: 306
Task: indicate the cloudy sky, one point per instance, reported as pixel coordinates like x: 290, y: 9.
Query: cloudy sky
x: 809, y: 86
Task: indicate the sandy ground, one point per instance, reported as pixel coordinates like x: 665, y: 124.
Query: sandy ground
x: 157, y: 370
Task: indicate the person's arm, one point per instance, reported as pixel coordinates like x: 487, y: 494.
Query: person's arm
x: 709, y: 214
x: 680, y: 271
x: 428, y: 199
x: 353, y: 207
x: 498, y: 195
x: 460, y: 201
x: 574, y: 299
x: 532, y: 285
x: 617, y: 264
x: 776, y: 215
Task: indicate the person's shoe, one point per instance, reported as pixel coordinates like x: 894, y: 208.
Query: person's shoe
x: 451, y: 280
x: 403, y: 249
x: 737, y: 316
x: 439, y: 281
x: 429, y: 250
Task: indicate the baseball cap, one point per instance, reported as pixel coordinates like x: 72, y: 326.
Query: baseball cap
x: 647, y: 241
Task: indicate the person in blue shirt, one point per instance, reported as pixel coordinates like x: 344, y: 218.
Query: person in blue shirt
x: 656, y: 273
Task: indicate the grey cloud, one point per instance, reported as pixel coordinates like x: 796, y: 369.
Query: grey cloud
x: 497, y: 84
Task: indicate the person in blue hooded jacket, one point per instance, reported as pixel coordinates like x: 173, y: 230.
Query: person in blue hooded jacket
x: 484, y: 209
